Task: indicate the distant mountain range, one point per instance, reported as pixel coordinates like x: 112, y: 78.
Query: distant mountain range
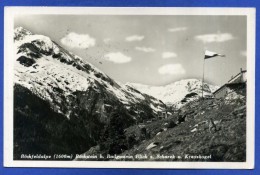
x: 177, y: 93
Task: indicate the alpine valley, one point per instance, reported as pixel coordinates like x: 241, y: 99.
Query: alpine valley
x: 65, y: 105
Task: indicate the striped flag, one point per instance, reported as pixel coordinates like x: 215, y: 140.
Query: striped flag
x: 209, y: 54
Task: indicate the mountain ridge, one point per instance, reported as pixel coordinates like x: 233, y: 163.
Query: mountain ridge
x: 86, y: 97
x: 55, y: 62
x: 174, y: 93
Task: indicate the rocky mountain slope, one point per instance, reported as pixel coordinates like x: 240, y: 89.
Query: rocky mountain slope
x: 191, y: 133
x: 52, y: 72
x: 177, y: 93
x: 209, y: 130
x: 65, y: 100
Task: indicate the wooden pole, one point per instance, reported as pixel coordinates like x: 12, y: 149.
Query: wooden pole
x: 203, y: 77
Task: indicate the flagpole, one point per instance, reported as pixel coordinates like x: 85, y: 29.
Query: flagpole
x: 203, y: 77
x: 207, y: 54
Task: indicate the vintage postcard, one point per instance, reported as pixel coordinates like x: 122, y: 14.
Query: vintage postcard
x: 129, y: 87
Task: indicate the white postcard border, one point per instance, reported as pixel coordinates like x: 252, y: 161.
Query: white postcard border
x: 9, y: 14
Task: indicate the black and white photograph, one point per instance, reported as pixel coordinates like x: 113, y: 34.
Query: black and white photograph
x: 159, y: 87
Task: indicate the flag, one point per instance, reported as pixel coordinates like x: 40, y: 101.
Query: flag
x: 209, y: 54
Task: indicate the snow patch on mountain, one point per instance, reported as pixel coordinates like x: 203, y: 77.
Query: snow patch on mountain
x: 213, y: 88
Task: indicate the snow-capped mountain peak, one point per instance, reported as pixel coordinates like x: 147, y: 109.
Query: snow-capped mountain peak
x: 55, y: 74
x: 175, y: 92
x: 20, y: 32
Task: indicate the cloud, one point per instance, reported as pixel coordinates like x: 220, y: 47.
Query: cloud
x: 243, y: 53
x: 169, y: 55
x: 145, y: 49
x: 210, y: 38
x: 75, y: 40
x: 134, y: 38
x: 117, y: 57
x: 178, y: 29
x: 172, y: 69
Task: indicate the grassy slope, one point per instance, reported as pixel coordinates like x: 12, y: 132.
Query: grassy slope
x: 228, y: 143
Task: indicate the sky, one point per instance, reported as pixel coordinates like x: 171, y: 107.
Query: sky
x: 147, y: 49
